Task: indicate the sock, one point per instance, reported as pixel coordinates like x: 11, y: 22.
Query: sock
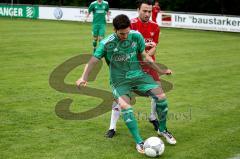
x: 153, y: 110
x: 162, y: 109
x: 94, y: 43
x: 115, y: 116
x: 131, y: 123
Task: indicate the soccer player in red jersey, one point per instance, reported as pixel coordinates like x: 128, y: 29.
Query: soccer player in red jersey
x: 156, y: 9
x: 150, y: 31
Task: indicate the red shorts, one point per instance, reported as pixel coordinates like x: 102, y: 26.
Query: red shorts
x: 152, y: 73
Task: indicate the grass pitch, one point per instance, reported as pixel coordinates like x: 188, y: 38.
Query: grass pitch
x: 204, y: 104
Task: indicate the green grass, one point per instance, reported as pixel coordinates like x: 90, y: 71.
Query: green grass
x: 204, y: 104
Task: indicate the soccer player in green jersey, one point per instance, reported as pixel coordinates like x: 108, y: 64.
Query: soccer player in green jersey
x: 150, y: 32
x: 99, y: 8
x: 121, y: 50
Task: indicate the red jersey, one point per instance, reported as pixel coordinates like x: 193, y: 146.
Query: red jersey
x: 155, y: 11
x: 150, y: 31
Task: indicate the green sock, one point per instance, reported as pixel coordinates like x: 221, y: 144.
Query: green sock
x: 162, y: 110
x: 131, y: 123
x: 94, y: 43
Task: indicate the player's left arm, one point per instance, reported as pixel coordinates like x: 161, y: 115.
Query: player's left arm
x: 108, y: 13
x: 108, y: 16
x: 149, y: 61
x: 152, y: 51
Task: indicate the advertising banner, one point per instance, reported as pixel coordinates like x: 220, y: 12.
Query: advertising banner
x: 20, y: 11
x: 77, y: 14
x: 167, y: 19
x: 197, y: 21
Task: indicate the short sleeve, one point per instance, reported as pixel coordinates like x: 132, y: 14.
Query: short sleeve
x: 100, y: 51
x: 156, y: 35
x: 141, y: 43
x: 90, y: 8
x: 107, y: 7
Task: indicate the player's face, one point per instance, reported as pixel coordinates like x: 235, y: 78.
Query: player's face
x: 99, y: 1
x: 123, y: 33
x: 145, y: 12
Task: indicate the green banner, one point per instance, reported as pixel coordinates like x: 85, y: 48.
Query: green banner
x: 21, y: 11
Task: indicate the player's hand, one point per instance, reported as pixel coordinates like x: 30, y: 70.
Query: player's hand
x: 147, y: 44
x: 81, y: 82
x: 167, y: 72
x: 151, y: 44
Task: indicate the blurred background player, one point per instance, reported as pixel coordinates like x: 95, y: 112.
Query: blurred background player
x: 100, y: 9
x: 155, y: 10
x: 150, y: 31
x: 128, y: 45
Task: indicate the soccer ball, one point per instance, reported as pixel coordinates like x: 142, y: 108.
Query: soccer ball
x: 153, y: 147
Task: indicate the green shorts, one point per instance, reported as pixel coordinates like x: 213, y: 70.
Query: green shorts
x: 98, y: 30
x: 142, y: 84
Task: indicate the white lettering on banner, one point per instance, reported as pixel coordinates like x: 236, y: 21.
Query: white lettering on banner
x: 20, y: 12
x: 11, y: 12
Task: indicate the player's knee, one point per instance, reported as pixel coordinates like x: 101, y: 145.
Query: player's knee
x: 124, y: 105
x: 161, y: 96
x: 100, y: 38
x: 116, y: 106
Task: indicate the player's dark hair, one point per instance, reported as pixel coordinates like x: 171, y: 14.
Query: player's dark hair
x: 121, y: 22
x: 140, y: 2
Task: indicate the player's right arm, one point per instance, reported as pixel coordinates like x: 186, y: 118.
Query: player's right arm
x: 149, y: 61
x: 154, y: 43
x: 90, y: 9
x: 98, y: 54
x: 82, y: 81
x: 87, y: 15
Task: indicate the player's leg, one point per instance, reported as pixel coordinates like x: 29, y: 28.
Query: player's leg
x: 162, y: 109
x: 114, y: 118
x: 95, y: 39
x: 130, y: 121
x: 101, y: 32
x: 148, y: 85
x: 153, y: 115
x: 95, y: 36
